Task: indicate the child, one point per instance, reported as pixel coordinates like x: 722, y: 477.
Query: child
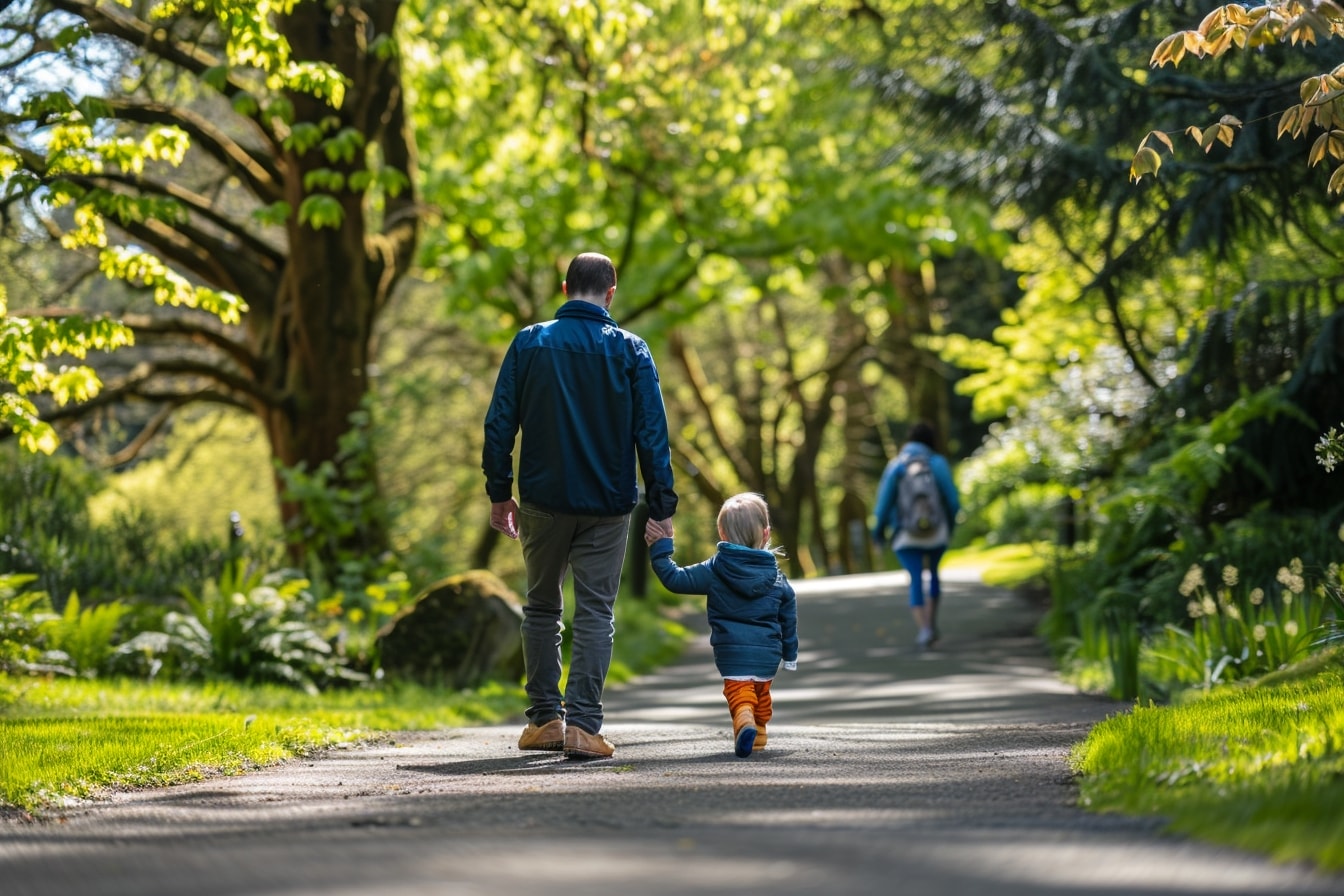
x: 753, y: 615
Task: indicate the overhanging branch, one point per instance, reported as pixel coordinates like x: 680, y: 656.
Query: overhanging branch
x: 264, y: 180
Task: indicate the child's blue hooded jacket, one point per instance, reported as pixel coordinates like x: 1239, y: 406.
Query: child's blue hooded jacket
x: 753, y: 614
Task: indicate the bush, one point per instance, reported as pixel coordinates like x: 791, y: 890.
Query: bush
x: 22, y: 614
x: 243, y: 627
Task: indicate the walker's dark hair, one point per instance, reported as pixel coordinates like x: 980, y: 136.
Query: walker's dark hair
x: 590, y: 275
x: 922, y: 432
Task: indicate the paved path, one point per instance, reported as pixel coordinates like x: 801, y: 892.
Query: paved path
x: 890, y: 771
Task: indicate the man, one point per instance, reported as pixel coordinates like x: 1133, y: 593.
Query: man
x: 585, y: 394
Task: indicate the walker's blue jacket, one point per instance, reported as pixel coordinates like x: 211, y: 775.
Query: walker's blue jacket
x: 888, y: 511
x: 753, y: 614
x: 585, y: 394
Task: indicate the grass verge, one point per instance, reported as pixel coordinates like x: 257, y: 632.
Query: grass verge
x: 64, y: 739
x: 1257, y: 765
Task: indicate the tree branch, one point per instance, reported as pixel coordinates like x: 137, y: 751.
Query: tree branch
x: 264, y: 180
x: 269, y: 257
x: 109, y: 20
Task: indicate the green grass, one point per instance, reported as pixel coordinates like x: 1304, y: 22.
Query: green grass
x: 63, y: 738
x: 1257, y: 765
x: 1004, y: 566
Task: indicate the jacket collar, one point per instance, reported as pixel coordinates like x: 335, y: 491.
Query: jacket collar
x: 580, y: 308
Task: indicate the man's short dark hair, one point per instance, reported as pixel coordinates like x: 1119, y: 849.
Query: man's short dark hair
x: 590, y: 275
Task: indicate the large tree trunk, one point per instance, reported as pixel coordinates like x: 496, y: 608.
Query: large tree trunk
x: 316, y: 338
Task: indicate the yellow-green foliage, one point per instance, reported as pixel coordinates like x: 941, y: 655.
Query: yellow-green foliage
x: 215, y: 462
x: 1258, y: 765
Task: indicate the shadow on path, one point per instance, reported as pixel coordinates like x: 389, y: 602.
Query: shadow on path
x: 889, y: 770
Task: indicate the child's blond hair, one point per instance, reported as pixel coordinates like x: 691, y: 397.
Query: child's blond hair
x: 745, y: 519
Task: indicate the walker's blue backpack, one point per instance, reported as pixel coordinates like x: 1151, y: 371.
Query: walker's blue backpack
x: 919, y: 502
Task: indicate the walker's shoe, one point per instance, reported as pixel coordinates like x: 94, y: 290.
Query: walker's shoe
x: 744, y: 732
x: 550, y: 737
x: 579, y: 744
x: 926, y: 637
x: 760, y: 739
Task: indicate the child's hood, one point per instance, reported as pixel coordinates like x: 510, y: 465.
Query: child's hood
x: 748, y: 571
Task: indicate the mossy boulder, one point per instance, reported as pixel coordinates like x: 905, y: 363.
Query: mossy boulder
x: 459, y: 632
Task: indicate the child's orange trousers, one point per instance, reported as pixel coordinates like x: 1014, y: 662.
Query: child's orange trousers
x: 755, y: 694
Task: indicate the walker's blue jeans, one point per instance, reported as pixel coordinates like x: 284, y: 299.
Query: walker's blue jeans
x: 915, y: 561
x: 593, y: 549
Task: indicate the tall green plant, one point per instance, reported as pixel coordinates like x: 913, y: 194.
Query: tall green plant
x: 86, y: 636
x: 245, y: 627
x: 1241, y: 630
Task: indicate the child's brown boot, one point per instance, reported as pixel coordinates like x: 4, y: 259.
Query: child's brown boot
x: 744, y: 731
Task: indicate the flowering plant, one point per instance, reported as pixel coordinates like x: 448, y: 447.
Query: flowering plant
x: 1330, y: 449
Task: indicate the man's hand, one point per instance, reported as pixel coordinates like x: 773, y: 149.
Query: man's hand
x: 656, y: 529
x: 504, y: 517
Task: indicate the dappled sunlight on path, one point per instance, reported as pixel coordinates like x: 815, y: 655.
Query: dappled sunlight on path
x: 858, y: 663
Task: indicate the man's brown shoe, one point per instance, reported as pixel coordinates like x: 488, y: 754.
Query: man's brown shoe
x: 579, y: 744
x: 550, y: 736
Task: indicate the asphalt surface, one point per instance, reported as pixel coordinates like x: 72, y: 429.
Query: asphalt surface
x: 890, y: 770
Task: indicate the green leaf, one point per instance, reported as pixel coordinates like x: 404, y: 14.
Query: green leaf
x: 321, y: 211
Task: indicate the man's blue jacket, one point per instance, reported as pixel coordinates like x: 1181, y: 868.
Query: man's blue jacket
x: 585, y: 394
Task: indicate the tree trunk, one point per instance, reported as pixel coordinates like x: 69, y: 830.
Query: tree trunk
x: 315, y: 339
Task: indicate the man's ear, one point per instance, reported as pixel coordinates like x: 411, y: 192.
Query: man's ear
x: 564, y: 287
x: 611, y: 294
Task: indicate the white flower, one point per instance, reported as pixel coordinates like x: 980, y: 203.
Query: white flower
x: 1194, y: 579
x: 1257, y: 596
x: 1290, y: 627
x: 1229, y: 576
x: 1292, y: 578
x: 1258, y: 633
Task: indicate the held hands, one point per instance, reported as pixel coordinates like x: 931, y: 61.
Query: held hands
x: 504, y: 517
x: 791, y: 665
x: 656, y: 529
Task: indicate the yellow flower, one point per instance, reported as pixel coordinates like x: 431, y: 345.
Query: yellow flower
x: 1257, y: 596
x: 1194, y: 609
x: 1232, y: 611
x: 1210, y: 608
x: 1229, y: 575
x: 1258, y: 633
x: 1296, y: 566
x: 1290, y: 626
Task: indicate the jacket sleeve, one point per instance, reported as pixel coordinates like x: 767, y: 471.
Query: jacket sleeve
x: 679, y: 579
x: 788, y: 623
x: 501, y: 429
x: 651, y: 443
x: 886, y: 514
